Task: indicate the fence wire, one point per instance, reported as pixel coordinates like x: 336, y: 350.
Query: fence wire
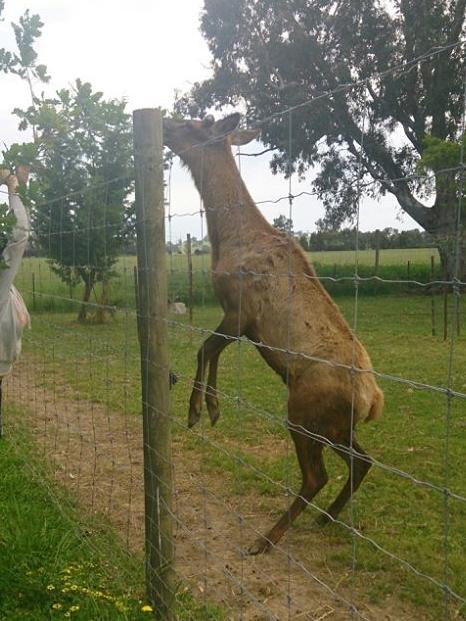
x: 77, y: 392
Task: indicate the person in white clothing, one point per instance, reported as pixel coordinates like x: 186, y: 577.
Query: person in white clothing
x: 14, y: 316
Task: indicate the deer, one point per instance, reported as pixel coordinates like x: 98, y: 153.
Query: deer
x: 270, y: 294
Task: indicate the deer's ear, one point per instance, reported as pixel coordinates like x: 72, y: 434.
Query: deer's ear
x: 244, y: 136
x: 227, y: 125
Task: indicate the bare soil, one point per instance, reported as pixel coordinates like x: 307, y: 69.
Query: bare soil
x: 97, y: 453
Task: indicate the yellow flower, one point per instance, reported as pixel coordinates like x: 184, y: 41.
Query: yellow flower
x: 147, y: 608
x: 74, y: 608
x: 50, y: 587
x: 57, y: 606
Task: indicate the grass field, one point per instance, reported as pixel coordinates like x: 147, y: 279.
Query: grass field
x: 101, y: 363
x: 416, y: 256
x: 51, y: 294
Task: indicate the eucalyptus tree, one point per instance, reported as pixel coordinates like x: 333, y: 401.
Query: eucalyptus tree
x: 396, y: 73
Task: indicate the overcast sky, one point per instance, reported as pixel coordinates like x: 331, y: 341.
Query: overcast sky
x: 145, y: 50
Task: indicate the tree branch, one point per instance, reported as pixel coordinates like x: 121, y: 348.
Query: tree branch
x: 399, y: 189
x: 458, y: 21
x: 257, y: 154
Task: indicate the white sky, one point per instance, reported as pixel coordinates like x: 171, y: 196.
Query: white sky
x: 145, y: 50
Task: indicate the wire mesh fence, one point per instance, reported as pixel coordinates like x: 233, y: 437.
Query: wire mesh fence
x: 196, y: 501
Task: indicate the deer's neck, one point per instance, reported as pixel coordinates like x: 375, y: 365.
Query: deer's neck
x: 232, y: 216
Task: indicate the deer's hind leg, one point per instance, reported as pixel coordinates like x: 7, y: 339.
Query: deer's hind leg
x: 207, y: 357
x: 314, y: 477
x: 360, y: 466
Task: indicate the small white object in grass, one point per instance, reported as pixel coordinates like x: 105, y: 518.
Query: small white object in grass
x: 178, y: 308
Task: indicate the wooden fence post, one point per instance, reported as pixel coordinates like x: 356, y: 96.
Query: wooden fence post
x: 190, y: 278
x: 445, y: 305
x: 153, y: 335
x: 33, y: 291
x: 432, y: 297
x: 377, y: 252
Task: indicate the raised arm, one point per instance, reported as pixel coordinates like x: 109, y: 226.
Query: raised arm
x: 14, y: 250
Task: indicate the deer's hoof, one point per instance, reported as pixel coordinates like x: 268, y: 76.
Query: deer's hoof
x: 260, y: 546
x: 194, y: 416
x: 214, y: 412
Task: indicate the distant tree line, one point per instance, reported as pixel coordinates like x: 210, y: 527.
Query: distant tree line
x: 345, y: 239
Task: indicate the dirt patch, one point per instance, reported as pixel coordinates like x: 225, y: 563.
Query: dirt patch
x: 98, y: 454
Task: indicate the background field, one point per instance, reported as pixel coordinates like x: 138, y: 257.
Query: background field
x: 248, y: 453
x: 52, y: 294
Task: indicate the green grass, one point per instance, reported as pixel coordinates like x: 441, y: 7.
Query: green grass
x: 52, y: 566
x: 53, y: 295
x: 391, y: 256
x: 56, y: 565
x: 102, y: 363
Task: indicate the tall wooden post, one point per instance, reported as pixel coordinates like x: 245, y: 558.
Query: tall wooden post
x: 432, y: 295
x: 377, y: 253
x: 190, y: 278
x: 153, y: 335
x: 445, y: 305
x: 33, y: 291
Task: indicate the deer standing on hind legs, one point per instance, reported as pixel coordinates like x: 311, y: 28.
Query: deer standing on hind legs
x: 251, y: 267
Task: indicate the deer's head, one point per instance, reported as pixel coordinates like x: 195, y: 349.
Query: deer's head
x: 185, y: 136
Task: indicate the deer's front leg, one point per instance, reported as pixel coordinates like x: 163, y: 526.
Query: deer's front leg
x: 208, y: 356
x: 211, y: 399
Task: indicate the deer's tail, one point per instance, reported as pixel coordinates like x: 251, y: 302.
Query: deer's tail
x: 377, y: 405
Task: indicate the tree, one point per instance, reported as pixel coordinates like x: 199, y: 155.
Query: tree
x: 283, y: 223
x: 22, y: 62
x: 269, y: 55
x: 83, y: 177
x: 442, y: 156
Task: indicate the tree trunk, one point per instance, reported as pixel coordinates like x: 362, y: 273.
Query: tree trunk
x: 452, y: 255
x: 89, y: 280
x: 103, y: 302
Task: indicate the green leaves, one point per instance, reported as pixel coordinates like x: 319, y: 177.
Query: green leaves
x: 440, y: 154
x: 17, y: 154
x: 443, y: 159
x: 7, y: 222
x: 83, y: 179
x: 22, y: 62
